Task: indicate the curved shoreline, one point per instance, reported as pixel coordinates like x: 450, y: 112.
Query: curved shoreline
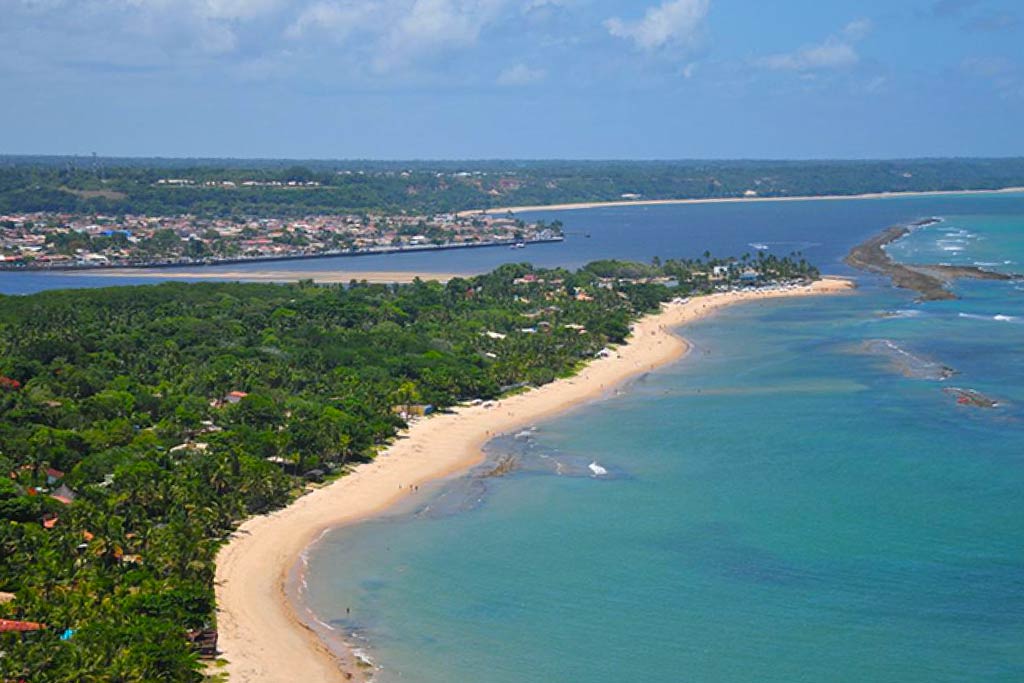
x: 731, y: 200
x: 261, y: 635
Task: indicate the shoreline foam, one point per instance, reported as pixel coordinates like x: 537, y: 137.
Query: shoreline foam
x: 262, y: 636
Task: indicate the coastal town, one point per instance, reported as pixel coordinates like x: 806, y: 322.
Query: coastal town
x: 60, y: 241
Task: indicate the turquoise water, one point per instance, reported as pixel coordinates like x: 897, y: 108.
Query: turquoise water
x: 798, y: 499
x: 992, y: 242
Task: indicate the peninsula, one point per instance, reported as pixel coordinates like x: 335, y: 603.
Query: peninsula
x: 143, y: 424
x: 267, y: 638
x: 61, y: 241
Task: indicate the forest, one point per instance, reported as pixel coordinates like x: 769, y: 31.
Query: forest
x: 282, y: 188
x: 140, y: 425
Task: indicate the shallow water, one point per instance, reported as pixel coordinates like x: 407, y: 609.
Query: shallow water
x: 788, y: 503
x: 798, y: 499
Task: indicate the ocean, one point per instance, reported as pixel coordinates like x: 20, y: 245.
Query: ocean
x: 810, y: 495
x: 806, y: 496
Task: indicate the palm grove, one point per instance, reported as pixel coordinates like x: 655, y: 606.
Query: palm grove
x: 140, y: 425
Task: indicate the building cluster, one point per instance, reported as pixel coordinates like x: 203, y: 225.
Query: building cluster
x: 182, y: 182
x: 57, y: 240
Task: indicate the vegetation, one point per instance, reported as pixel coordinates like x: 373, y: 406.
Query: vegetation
x: 141, y: 424
x: 217, y: 187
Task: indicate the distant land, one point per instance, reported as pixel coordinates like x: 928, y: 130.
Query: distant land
x: 297, y: 188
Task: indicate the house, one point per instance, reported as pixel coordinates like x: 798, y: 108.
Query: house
x: 53, y: 476
x: 64, y: 494
x: 749, y: 276
x: 190, y: 446
x: 235, y: 397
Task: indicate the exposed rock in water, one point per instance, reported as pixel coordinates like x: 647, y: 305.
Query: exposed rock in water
x: 929, y: 280
x: 970, y: 397
x: 506, y: 464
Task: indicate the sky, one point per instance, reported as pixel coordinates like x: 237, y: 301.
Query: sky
x: 525, y: 79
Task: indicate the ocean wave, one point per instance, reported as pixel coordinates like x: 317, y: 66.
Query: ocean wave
x: 903, y: 313
x: 782, y: 245
x: 907, y: 363
x: 999, y: 317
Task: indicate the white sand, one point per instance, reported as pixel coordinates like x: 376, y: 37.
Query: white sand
x: 260, y: 635
x: 728, y: 200
x: 278, y: 275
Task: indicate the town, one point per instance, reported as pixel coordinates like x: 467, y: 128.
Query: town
x: 60, y: 241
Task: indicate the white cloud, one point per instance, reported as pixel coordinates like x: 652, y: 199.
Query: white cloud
x: 858, y: 29
x: 396, y: 32
x: 672, y: 22
x: 835, y: 52
x: 831, y: 54
x: 520, y: 74
x: 336, y: 19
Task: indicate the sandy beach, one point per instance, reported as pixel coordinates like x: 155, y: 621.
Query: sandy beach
x: 729, y: 200
x: 262, y: 638
x: 280, y: 275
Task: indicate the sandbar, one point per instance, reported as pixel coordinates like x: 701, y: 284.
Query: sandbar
x: 730, y: 200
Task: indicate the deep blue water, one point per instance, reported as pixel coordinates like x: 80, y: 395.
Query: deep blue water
x: 800, y: 499
x: 822, y: 230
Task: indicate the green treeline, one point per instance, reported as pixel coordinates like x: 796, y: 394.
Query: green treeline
x: 140, y: 425
x: 119, y: 186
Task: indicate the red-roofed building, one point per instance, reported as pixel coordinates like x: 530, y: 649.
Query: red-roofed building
x: 53, y: 475
x: 9, y: 626
x: 235, y: 396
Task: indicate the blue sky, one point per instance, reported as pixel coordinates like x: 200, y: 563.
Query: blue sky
x: 408, y: 79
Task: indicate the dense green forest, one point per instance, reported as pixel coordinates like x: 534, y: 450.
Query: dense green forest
x: 139, y: 425
x: 119, y: 186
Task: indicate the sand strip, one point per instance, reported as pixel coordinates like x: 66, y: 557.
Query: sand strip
x: 730, y: 200
x: 281, y: 275
x: 260, y: 634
